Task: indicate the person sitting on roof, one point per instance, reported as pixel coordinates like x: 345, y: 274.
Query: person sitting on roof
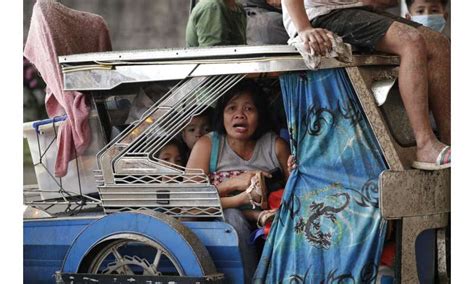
x: 264, y: 22
x: 424, y: 60
x: 216, y: 22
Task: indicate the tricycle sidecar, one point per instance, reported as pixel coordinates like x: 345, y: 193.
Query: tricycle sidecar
x: 150, y: 219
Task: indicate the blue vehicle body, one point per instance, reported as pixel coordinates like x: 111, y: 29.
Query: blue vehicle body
x: 45, y: 244
x: 61, y: 244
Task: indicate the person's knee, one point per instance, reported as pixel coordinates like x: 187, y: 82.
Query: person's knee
x: 403, y: 40
x: 414, y: 44
x: 236, y: 219
x: 233, y: 214
x: 436, y: 42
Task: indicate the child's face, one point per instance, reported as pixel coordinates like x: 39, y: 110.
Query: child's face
x: 426, y: 7
x: 429, y: 13
x: 198, y: 127
x: 170, y: 153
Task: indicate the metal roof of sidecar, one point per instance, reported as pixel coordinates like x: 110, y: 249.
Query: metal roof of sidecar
x: 106, y: 70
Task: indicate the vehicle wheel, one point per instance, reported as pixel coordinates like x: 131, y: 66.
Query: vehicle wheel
x: 131, y: 254
x: 138, y: 243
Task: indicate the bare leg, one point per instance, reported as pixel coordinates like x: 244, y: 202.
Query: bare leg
x: 409, y: 44
x: 439, y: 77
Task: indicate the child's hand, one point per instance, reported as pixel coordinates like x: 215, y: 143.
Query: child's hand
x: 291, y: 163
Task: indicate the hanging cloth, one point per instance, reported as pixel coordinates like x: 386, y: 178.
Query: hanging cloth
x: 56, y: 30
x: 329, y: 228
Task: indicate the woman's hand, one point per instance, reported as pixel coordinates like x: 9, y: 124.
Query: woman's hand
x: 243, y: 181
x: 291, y: 163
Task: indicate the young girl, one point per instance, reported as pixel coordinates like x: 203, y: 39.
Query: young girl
x: 199, y: 126
x: 171, y: 152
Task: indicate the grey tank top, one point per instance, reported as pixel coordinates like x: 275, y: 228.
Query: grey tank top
x: 264, y: 156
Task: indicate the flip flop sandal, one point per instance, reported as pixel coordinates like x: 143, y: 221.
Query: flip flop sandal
x: 265, y: 216
x: 260, y: 190
x: 443, y: 161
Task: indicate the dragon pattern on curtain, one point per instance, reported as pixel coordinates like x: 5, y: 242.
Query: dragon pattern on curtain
x: 329, y: 228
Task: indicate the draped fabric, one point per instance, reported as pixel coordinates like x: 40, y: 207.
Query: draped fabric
x: 329, y: 227
x: 56, y: 30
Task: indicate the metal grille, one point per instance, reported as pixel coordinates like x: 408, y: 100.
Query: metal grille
x: 159, y: 179
x: 172, y: 199
x: 139, y: 180
x: 187, y: 100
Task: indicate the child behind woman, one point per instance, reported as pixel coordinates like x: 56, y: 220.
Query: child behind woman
x: 172, y: 152
x: 199, y: 126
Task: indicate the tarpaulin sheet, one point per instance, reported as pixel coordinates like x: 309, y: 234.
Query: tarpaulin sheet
x: 329, y: 228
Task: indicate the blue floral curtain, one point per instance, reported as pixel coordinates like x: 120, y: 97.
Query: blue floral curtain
x: 329, y: 228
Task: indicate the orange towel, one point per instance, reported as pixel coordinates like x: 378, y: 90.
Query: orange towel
x: 56, y: 30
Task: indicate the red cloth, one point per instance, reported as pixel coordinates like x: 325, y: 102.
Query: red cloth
x: 388, y: 254
x: 274, y: 201
x: 56, y: 30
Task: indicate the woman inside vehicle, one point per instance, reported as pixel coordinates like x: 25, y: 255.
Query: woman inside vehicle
x: 236, y: 157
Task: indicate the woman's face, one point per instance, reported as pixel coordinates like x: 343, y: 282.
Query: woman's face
x: 170, y: 153
x: 241, y: 117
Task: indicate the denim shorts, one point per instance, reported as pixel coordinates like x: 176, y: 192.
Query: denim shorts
x: 362, y: 27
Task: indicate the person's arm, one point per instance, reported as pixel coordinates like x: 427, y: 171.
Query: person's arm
x: 200, y: 158
x: 381, y: 4
x: 235, y: 201
x: 316, y: 38
x: 282, y: 152
x: 200, y: 155
x: 238, y: 183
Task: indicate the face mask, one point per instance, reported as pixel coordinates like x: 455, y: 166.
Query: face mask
x: 434, y: 21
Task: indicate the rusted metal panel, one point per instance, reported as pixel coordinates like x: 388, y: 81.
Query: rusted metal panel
x: 372, y: 111
x: 414, y: 193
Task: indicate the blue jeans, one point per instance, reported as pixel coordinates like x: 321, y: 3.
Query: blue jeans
x: 236, y: 219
